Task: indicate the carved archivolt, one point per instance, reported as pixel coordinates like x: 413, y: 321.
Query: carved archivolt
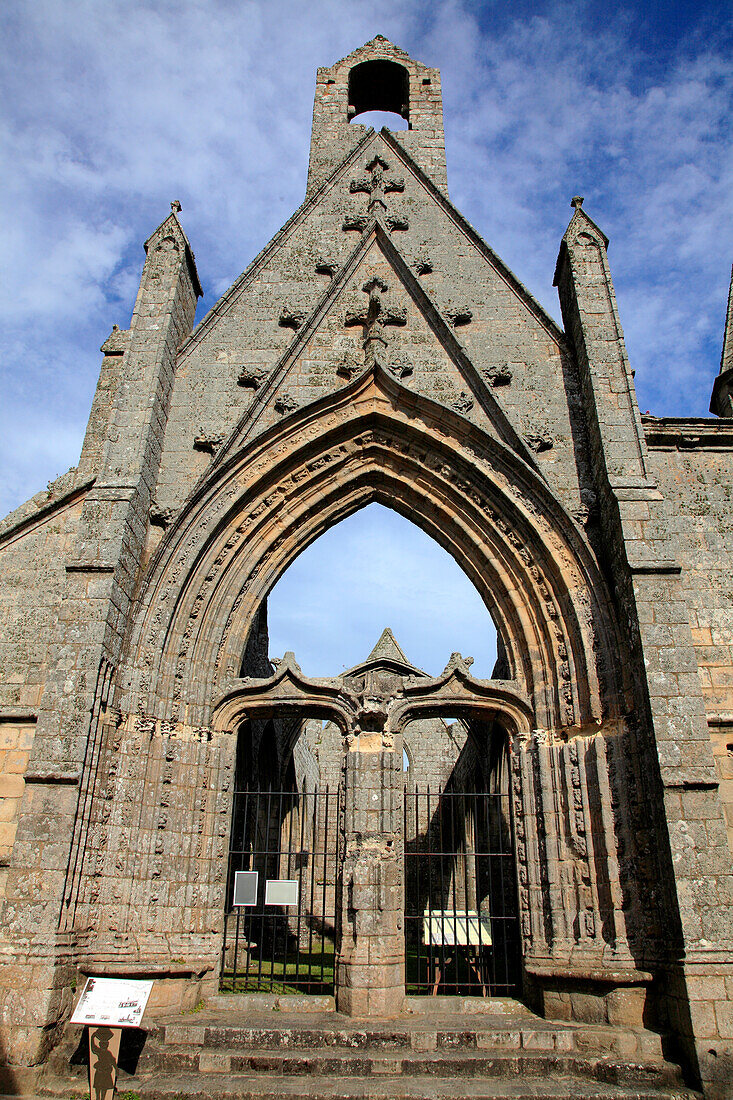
x: 374, y: 440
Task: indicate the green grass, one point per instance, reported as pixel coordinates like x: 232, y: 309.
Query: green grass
x: 306, y: 972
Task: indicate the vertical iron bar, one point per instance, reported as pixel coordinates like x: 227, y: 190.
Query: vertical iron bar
x: 299, y: 868
x: 313, y: 856
x: 323, y: 891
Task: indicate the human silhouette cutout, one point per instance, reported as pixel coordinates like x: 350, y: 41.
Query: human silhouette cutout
x: 104, y: 1072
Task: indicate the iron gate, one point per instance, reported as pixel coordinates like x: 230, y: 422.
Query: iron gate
x: 289, y: 840
x: 461, y: 915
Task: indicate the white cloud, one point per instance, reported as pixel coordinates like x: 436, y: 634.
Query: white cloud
x: 112, y: 110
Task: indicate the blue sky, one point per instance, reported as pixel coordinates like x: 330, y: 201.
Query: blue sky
x: 110, y: 110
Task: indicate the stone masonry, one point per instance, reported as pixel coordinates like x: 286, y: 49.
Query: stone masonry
x: 376, y: 349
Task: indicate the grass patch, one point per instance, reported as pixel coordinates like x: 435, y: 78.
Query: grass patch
x: 306, y: 972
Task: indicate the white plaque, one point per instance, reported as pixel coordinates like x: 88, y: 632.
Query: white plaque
x: 116, y: 1002
x: 462, y: 928
x: 281, y: 891
x: 245, y: 887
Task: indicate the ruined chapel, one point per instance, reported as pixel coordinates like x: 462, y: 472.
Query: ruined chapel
x: 176, y: 804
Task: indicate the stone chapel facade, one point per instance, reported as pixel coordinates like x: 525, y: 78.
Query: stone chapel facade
x: 375, y: 350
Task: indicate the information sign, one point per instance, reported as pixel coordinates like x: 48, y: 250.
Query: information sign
x: 245, y: 887
x: 281, y: 891
x: 114, y: 1002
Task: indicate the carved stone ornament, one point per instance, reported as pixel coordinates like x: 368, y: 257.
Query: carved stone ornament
x: 457, y: 661
x: 463, y: 403
x: 207, y: 442
x: 324, y: 266
x: 285, y: 403
x: 160, y: 517
x: 377, y: 185
x: 498, y: 375
x: 539, y: 442
x: 397, y: 223
x: 458, y: 315
x: 117, y: 341
x: 354, y: 223
x: 291, y: 318
x: 422, y: 264
x: 252, y: 377
x: 401, y: 370
x: 349, y: 367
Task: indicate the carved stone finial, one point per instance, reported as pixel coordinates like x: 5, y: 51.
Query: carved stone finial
x: 176, y: 206
x: 458, y: 663
x: 577, y: 201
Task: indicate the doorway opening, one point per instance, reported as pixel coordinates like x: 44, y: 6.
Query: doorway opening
x: 460, y: 899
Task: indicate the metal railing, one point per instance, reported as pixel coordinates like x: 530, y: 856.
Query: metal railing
x: 290, y: 839
x: 461, y: 914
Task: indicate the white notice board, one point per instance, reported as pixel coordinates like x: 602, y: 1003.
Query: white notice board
x: 116, y: 1002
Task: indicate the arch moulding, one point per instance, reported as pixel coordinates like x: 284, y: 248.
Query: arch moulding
x: 374, y: 440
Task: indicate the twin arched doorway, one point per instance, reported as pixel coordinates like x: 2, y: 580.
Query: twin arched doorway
x: 483, y: 502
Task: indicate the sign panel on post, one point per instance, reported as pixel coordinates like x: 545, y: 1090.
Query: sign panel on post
x: 107, y: 1005
x: 114, y: 1002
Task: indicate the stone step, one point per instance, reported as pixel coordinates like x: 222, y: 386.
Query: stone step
x: 490, y: 1034
x: 448, y: 1065
x: 257, y: 1087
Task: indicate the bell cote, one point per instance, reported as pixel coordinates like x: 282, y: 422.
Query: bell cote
x: 377, y: 77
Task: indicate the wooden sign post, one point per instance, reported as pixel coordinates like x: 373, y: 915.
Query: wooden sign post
x: 106, y: 1006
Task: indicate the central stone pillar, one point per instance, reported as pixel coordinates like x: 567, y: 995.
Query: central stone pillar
x: 371, y: 963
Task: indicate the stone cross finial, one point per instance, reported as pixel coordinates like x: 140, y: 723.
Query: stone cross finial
x: 375, y: 317
x: 577, y: 201
x: 377, y: 184
x: 176, y: 206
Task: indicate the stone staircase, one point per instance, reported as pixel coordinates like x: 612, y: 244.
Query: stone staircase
x: 271, y: 1048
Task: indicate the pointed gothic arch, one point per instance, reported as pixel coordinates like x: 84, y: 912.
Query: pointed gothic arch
x: 374, y: 440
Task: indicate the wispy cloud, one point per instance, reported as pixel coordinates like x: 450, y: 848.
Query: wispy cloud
x: 112, y: 110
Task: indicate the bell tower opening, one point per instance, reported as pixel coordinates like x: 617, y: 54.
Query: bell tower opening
x: 379, y: 86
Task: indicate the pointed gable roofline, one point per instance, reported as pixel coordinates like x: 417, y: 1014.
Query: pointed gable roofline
x: 579, y: 222
x: 387, y: 646
x: 171, y: 225
x: 375, y: 46
x: 229, y: 296
x: 720, y: 400
x: 503, y: 271
x: 447, y: 337
x: 386, y: 653
x: 512, y: 281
